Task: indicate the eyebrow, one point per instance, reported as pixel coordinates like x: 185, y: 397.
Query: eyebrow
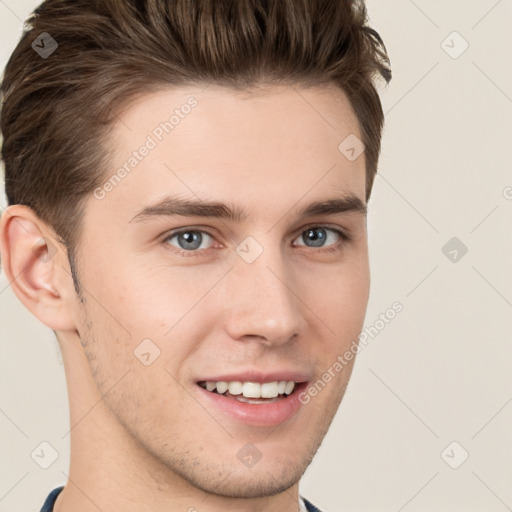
x: 174, y: 206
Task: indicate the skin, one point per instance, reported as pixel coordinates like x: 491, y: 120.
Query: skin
x: 141, y: 437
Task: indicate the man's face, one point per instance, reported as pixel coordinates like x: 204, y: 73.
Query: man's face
x: 175, y: 301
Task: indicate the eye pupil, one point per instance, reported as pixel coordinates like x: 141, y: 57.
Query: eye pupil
x: 315, y: 235
x: 190, y: 239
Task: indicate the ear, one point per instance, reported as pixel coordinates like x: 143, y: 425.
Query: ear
x: 34, y: 263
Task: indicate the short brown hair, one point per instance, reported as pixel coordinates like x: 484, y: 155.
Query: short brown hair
x: 56, y: 111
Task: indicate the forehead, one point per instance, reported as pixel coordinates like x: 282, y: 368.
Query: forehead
x: 276, y: 145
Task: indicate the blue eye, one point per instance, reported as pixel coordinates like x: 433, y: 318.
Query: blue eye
x: 190, y: 240
x: 196, y: 242
x: 319, y: 236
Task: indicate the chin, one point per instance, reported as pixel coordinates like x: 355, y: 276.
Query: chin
x: 241, y: 482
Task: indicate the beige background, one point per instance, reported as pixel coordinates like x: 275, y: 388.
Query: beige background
x: 440, y: 371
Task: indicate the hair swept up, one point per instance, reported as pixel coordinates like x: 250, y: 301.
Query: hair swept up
x: 56, y: 111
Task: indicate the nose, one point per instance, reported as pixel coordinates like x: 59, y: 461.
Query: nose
x: 262, y: 302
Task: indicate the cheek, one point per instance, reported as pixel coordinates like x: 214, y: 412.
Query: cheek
x: 352, y: 297
x: 338, y: 297
x: 151, y: 323
x: 138, y: 301
x: 155, y: 299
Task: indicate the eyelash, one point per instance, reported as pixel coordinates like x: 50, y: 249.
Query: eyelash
x: 198, y: 252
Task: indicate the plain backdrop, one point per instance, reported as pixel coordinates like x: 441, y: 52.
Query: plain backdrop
x: 426, y: 421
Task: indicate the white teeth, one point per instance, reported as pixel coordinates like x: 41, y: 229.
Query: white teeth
x: 235, y: 388
x: 222, y: 387
x: 269, y: 390
x: 289, y: 387
x: 252, y: 389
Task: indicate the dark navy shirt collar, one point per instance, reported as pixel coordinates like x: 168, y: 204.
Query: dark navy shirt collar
x: 50, y: 500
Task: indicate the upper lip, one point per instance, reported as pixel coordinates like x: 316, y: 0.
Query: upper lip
x: 258, y: 376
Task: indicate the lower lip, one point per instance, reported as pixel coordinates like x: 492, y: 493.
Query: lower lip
x: 260, y: 415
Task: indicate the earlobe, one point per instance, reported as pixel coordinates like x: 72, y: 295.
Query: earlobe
x: 30, y: 259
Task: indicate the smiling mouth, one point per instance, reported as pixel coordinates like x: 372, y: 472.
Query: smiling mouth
x: 251, y: 392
